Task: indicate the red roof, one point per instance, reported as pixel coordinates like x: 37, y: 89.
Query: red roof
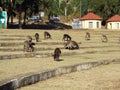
x: 115, y: 18
x: 91, y: 16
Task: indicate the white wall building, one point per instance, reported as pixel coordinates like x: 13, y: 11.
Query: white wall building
x: 113, y: 22
x: 91, y: 21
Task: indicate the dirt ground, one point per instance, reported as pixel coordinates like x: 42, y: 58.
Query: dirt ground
x: 100, y: 78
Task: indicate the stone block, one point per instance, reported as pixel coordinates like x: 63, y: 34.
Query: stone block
x: 84, y: 66
x: 46, y: 74
x: 7, y: 86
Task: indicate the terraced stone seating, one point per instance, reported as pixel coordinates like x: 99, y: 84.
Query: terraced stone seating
x: 11, y: 47
x: 32, y: 78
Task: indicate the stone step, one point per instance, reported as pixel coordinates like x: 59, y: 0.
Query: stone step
x: 3, y: 44
x: 40, y: 48
x: 46, y: 54
x: 34, y: 77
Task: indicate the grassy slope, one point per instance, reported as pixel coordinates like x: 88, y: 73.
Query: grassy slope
x: 99, y: 78
x: 10, y: 68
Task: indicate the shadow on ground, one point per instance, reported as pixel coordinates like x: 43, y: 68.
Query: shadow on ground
x: 47, y: 25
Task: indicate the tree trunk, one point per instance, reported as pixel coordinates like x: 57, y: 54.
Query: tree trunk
x: 11, y: 19
x: 25, y: 16
x: 20, y: 24
x: 8, y: 18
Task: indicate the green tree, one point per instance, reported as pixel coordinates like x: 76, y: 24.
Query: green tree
x: 9, y: 5
x: 29, y: 8
x: 103, y: 8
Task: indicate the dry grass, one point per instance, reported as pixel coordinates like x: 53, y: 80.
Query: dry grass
x: 99, y: 78
x: 10, y: 68
x: 110, y: 50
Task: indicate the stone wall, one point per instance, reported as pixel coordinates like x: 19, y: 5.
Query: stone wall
x: 32, y: 78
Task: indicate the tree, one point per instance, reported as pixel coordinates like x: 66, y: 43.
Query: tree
x: 103, y: 8
x: 7, y: 4
x: 29, y: 7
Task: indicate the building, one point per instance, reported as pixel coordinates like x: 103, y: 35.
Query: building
x: 91, y: 21
x: 113, y: 22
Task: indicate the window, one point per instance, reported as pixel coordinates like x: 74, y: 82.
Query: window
x: 90, y: 24
x: 110, y: 25
x: 97, y: 24
x: 117, y: 25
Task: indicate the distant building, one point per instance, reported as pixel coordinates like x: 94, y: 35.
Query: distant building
x: 91, y: 21
x: 113, y: 22
x: 76, y: 24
